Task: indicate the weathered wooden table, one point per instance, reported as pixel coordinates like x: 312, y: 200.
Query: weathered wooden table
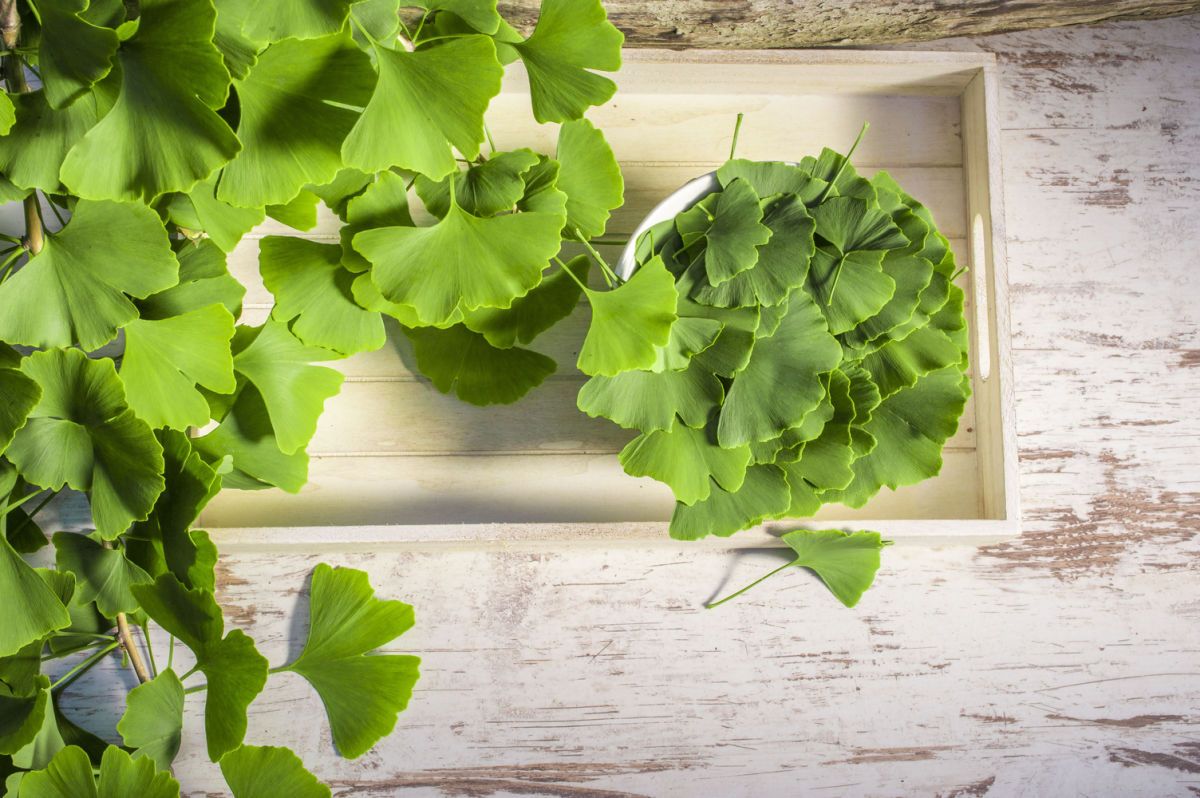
x: 1063, y: 663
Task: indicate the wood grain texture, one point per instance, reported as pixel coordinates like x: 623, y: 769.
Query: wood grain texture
x: 1062, y: 663
x: 753, y: 24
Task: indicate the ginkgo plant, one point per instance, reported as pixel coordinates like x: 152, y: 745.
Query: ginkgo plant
x: 143, y: 139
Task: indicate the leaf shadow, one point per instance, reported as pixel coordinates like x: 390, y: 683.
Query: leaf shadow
x: 297, y: 634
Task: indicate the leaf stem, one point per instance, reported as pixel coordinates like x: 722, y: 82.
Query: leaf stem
x: 170, y: 652
x: 54, y: 209
x: 29, y: 516
x: 149, y: 648
x: 8, y: 508
x: 609, y: 275
x: 200, y: 688
x: 89, y: 663
x: 488, y: 134
x: 737, y: 128
x: 194, y: 669
x: 837, y: 275
x: 571, y: 274
x: 752, y: 584
x: 845, y: 162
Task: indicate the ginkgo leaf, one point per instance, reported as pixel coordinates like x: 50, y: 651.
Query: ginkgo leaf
x: 782, y: 264
x: 479, y: 14
x: 294, y: 117
x: 18, y: 396
x: 781, y: 382
x: 542, y: 193
x: 33, y: 151
x: 152, y: 725
x: 163, y: 133
x: 247, y: 436
x: 165, y: 542
x: 551, y: 301
x: 33, y: 609
x: 362, y: 692
x: 911, y: 275
x: 70, y: 775
x: 345, y: 186
x: 203, y: 280
x: 313, y: 291
x: 787, y: 447
x: 77, y: 289
x: 222, y: 222
x: 461, y: 263
x: 238, y: 51
x: 849, y: 288
x: 382, y: 203
x: 274, y: 20
x: 899, y: 364
x: 687, y: 460
x: 845, y: 561
x: 648, y: 400
x: 463, y: 361
x: 763, y: 494
x: 733, y: 233
x: 102, y: 575
x: 47, y: 742
x: 73, y: 54
x: 294, y: 390
x: 165, y: 359
x: 910, y: 427
x: 483, y: 189
x: 254, y: 771
x: 23, y: 706
x: 8, y: 114
x: 298, y: 213
x: 730, y: 353
x: 571, y: 38
x: 769, y: 178
x: 425, y: 103
x: 850, y: 224
x: 236, y: 671
x: 83, y: 434
x: 630, y: 322
x: 590, y: 177
x: 689, y: 337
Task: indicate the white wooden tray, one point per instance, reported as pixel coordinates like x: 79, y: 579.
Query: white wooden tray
x: 391, y: 451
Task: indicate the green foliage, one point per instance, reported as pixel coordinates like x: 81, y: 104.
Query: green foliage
x: 152, y: 725
x: 266, y: 771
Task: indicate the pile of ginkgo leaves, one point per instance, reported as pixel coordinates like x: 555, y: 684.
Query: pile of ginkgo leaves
x: 793, y: 339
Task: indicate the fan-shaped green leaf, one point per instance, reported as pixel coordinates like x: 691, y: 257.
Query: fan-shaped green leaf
x: 222, y: 222
x: 730, y: 353
x: 689, y: 337
x: 461, y: 263
x: 850, y: 224
x: 254, y: 771
x: 247, y: 436
x: 294, y: 117
x: 83, y: 434
x: 165, y: 359
x: 34, y: 610
x: 781, y: 382
x: 8, y: 114
x: 479, y: 14
x: 590, y: 176
x: 236, y: 671
x: 542, y: 194
x: 571, y: 38
x: 733, y: 233
x: 630, y: 322
x: 70, y: 775
x: 763, y: 494
x: 769, y: 178
x: 911, y: 275
x: 75, y: 289
x: 33, y: 151
x: 648, y: 400
x: 382, y: 203
x: 203, y: 281
x: 425, y: 103
x: 463, y: 361
x: 687, y: 460
x: 298, y: 213
x: 72, y: 52
x: 484, y: 189
x: 18, y: 396
x: 362, y: 692
x: 163, y: 133
x: 313, y: 291
x: 152, y: 725
x: 849, y: 288
x: 238, y: 50
x: 845, y: 561
x: 23, y: 706
x: 274, y: 20
x: 554, y: 298
x: 102, y: 575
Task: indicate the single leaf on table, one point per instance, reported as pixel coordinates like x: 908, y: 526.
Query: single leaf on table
x: 483, y: 189
x: 274, y: 20
x: 166, y: 359
x: 362, y: 692
x: 32, y: 153
x: 457, y: 359
x: 77, y: 289
x: 203, y: 280
x: 845, y: 561
x: 298, y: 213
x: 152, y: 725
x: 254, y: 771
x: 630, y: 322
x: 733, y: 233
x: 425, y: 103
x: 83, y: 434
x: 769, y: 178
x: 73, y: 53
x: 590, y: 177
x: 223, y: 223
x: 461, y: 263
x: 163, y: 133
x: 782, y: 264
x: 554, y: 298
x: 105, y: 576
x: 294, y: 390
x: 781, y: 382
x: 23, y: 706
x: 247, y: 436
x: 312, y: 290
x: 763, y: 494
x: 294, y: 117
x: 70, y: 775
x: 571, y: 38
x: 687, y: 460
x: 648, y: 400
x: 381, y: 203
x: 236, y: 671
x: 849, y: 288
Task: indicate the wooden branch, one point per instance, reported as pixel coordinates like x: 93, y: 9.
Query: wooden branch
x: 741, y: 24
